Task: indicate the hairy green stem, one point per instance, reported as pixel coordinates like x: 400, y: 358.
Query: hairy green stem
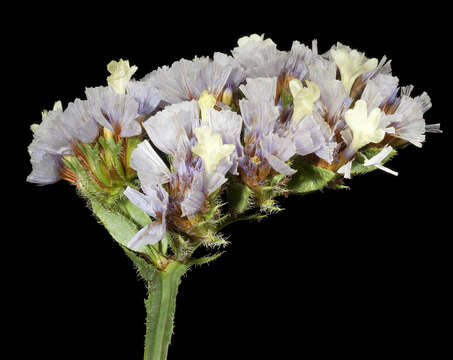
x: 160, y: 308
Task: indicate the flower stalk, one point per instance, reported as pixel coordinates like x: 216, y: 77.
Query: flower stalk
x: 160, y: 309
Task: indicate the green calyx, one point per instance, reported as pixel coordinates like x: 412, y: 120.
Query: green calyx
x: 102, y: 170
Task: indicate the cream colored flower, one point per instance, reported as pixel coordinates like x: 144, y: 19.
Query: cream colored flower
x: 365, y: 128
x: 254, y: 38
x: 121, y: 73
x: 206, y: 101
x: 303, y: 98
x: 352, y: 65
x: 210, y: 147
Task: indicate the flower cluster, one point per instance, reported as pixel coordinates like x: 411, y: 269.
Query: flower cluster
x: 203, y: 142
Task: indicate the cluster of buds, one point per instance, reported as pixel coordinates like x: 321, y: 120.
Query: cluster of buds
x: 196, y: 145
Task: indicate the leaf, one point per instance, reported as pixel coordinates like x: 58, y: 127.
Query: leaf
x: 309, y: 177
x: 119, y: 226
x: 145, y: 269
x: 357, y: 164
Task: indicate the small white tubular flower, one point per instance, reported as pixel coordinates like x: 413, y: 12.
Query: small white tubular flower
x: 206, y: 101
x: 365, y: 127
x: 377, y: 160
x: 210, y: 147
x: 254, y: 38
x: 121, y: 73
x: 351, y: 65
x: 303, y: 98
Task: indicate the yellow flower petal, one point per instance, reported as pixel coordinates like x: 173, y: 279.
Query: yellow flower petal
x: 364, y: 127
x: 352, y: 65
x: 303, y: 98
x: 206, y: 101
x: 210, y: 147
x: 121, y: 73
x: 256, y: 38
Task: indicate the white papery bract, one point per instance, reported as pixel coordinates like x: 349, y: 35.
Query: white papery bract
x: 377, y: 160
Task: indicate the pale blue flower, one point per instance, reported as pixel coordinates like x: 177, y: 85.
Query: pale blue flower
x: 145, y: 95
x: 259, y: 57
x: 154, y: 202
x: 187, y: 80
x: 407, y: 120
x: 56, y: 136
x: 116, y: 112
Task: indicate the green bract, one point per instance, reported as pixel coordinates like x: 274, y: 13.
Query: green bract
x: 309, y: 177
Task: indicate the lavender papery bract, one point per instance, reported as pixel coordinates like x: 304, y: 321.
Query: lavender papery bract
x: 186, y: 80
x: 116, y: 112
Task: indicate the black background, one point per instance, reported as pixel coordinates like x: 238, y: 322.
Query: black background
x: 359, y: 272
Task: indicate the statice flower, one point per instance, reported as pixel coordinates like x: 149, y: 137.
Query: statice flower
x: 201, y: 147
x: 166, y: 162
